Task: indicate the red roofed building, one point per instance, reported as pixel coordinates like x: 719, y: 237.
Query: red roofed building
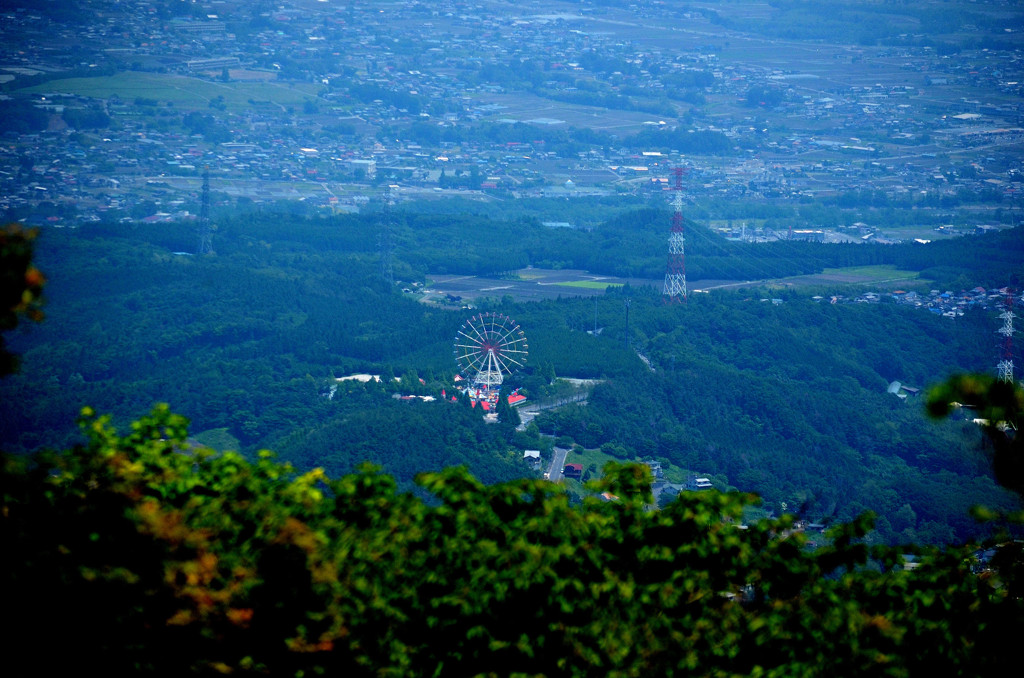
x: 573, y: 471
x: 515, y: 399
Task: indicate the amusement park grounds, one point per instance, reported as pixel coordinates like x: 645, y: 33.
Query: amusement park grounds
x: 535, y: 284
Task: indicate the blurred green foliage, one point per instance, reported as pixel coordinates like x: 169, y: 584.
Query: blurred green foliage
x: 134, y: 553
x: 21, y: 286
x: 997, y: 406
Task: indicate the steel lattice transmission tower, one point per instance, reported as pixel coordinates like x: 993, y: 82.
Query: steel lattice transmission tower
x: 205, y: 230
x: 675, y: 273
x: 1005, y: 367
x: 385, y: 240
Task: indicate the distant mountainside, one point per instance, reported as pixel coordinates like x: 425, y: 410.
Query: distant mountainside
x: 785, y: 399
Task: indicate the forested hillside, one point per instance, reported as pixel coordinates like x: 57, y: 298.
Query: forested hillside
x: 632, y: 243
x: 790, y: 401
x: 786, y: 400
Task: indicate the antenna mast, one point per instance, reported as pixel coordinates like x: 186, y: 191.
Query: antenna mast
x: 205, y: 235
x: 675, y: 273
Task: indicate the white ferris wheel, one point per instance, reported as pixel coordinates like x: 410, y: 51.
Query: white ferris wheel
x: 488, y: 348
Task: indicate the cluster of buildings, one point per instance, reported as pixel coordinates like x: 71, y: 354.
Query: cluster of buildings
x: 659, y: 485
x: 948, y: 304
x: 952, y: 304
x: 426, y: 96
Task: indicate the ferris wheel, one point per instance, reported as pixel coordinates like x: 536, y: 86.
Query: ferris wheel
x: 489, y: 347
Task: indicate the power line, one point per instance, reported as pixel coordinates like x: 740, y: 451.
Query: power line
x: 205, y: 231
x: 385, y: 241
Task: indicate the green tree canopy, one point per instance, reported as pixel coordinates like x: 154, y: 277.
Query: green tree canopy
x: 140, y: 554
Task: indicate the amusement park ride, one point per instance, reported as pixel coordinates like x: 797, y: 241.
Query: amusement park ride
x: 488, y: 348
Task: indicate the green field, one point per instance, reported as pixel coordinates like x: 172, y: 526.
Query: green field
x: 588, y: 284
x: 179, y: 90
x: 879, y: 273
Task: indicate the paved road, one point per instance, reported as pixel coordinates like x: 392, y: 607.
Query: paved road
x: 528, y: 412
x: 526, y: 415
x: 557, y: 464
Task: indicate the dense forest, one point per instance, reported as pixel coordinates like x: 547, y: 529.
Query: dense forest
x: 480, y: 241
x: 788, y: 400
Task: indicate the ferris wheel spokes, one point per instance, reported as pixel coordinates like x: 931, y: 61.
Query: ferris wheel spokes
x: 506, y: 357
x: 510, y: 333
x: 488, y: 347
